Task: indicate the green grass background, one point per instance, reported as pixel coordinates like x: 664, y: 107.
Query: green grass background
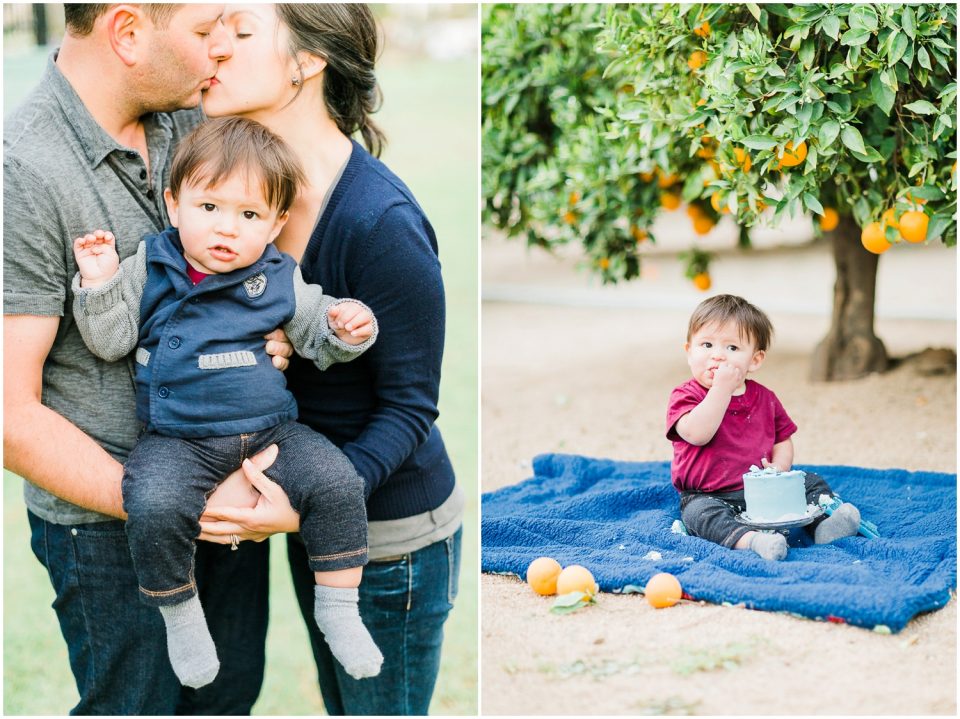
x: 431, y: 117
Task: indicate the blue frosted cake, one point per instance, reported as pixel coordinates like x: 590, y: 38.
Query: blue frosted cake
x: 773, y: 496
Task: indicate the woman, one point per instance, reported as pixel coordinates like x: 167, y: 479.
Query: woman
x: 306, y: 71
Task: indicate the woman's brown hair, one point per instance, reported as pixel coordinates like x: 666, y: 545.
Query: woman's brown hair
x: 345, y: 36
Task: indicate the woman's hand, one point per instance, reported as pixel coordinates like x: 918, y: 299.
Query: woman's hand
x: 272, y: 513
x: 279, y: 348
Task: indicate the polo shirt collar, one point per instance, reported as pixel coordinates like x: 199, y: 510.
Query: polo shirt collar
x: 96, y: 142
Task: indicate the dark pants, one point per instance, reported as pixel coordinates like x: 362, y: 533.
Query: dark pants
x: 404, y: 602
x: 712, y: 515
x: 167, y: 480
x: 117, y: 645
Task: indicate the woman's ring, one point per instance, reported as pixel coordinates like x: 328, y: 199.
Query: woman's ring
x: 234, y: 541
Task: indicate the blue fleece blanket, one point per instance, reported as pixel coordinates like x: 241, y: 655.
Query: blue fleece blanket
x: 615, y: 518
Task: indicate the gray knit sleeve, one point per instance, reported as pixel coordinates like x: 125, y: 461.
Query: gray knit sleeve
x: 108, y: 316
x: 309, y: 330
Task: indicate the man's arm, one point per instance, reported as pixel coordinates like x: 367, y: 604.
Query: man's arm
x: 41, y: 445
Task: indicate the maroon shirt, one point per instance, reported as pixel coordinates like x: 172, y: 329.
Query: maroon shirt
x: 753, y: 423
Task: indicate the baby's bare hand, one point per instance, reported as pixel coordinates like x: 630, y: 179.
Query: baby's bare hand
x: 727, y: 378
x: 352, y: 322
x: 96, y: 255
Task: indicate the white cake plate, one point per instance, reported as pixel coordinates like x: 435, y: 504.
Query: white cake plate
x: 789, y: 524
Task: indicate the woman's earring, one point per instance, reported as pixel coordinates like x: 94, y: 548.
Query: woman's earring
x: 295, y: 81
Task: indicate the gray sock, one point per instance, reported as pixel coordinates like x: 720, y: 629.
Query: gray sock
x: 769, y: 546
x: 844, y: 522
x: 192, y: 652
x: 337, y: 613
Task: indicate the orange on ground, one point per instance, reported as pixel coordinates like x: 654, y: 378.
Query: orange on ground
x: 542, y: 575
x: 702, y: 281
x: 670, y: 200
x: 913, y: 226
x: 576, y: 579
x: 638, y: 234
x: 569, y: 217
x: 889, y: 219
x: 718, y: 204
x: 743, y: 158
x: 697, y: 59
x: 793, y: 158
x: 702, y: 225
x: 663, y: 590
x: 874, y: 239
x: 830, y: 219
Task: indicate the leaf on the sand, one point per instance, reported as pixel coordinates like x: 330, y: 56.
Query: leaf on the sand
x: 571, y: 602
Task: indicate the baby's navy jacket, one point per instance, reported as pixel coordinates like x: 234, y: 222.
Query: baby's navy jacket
x: 201, y: 365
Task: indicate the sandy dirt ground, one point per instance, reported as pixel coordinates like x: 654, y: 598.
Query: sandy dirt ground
x: 571, y: 367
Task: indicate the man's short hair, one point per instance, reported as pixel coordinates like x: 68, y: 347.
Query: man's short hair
x: 751, y: 321
x: 81, y: 17
x: 220, y: 147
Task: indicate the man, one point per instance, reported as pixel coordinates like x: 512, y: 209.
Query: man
x: 90, y: 148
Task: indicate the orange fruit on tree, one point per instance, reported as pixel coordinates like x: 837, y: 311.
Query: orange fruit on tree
x: 663, y: 590
x: 702, y: 101
x: 718, y: 204
x: 604, y: 263
x: 542, y: 575
x: 697, y: 59
x: 669, y: 200
x: 638, y: 234
x: 915, y: 200
x: 576, y: 579
x: 793, y: 157
x: 694, y: 211
x: 743, y: 158
x: 665, y: 181
x: 701, y: 281
x: 647, y: 176
x: 830, y: 219
x: 889, y: 219
x: 702, y: 30
x: 574, y: 197
x: 874, y: 239
x: 702, y: 225
x: 913, y: 225
x: 569, y: 217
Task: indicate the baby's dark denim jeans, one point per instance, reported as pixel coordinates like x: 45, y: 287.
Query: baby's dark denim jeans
x: 712, y: 515
x: 167, y: 480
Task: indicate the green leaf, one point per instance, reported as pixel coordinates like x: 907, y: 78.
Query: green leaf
x: 812, y: 203
x: 831, y: 26
x: 759, y: 142
x: 862, y: 17
x: 882, y: 95
x: 854, y: 37
x: 927, y: 192
x: 938, y: 224
x: 851, y: 137
x: 754, y: 10
x: 870, y: 155
x: 908, y: 22
x: 571, y: 602
x: 807, y: 51
x: 923, y: 57
x: 921, y: 107
x: 897, y: 49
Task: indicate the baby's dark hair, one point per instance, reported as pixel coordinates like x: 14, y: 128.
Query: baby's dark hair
x: 220, y: 147
x: 752, y: 322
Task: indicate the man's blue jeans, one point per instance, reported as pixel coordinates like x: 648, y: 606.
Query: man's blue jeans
x: 404, y: 603
x: 117, y: 644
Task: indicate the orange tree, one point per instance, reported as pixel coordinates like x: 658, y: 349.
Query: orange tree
x: 843, y: 111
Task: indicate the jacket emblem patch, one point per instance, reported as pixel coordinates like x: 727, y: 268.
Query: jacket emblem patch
x: 255, y: 285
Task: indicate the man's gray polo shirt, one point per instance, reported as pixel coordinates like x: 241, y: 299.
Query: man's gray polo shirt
x: 64, y: 176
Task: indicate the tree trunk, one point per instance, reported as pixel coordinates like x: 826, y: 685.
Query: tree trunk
x: 851, y: 349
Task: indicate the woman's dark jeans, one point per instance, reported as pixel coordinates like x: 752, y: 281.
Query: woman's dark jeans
x: 712, y: 515
x: 117, y: 644
x: 167, y: 480
x: 404, y: 602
